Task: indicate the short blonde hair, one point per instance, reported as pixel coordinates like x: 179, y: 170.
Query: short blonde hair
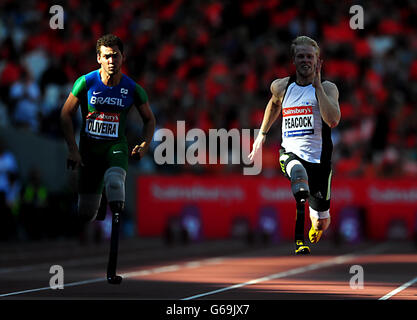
x: 304, y: 40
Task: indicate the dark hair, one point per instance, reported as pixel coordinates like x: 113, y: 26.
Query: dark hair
x: 109, y: 40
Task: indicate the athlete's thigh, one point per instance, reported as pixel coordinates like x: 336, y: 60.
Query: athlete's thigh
x: 91, y: 174
x: 117, y: 156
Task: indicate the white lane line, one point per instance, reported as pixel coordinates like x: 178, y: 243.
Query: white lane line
x: 140, y: 273
x: 315, y: 266
x: 209, y: 261
x: 72, y: 284
x: 23, y: 292
x: 335, y: 261
x: 75, y: 262
x: 399, y: 289
x: 193, y: 264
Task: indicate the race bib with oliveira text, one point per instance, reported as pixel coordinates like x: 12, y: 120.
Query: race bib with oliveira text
x: 102, y: 125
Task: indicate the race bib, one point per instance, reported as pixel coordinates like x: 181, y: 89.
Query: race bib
x: 297, y: 121
x: 102, y: 125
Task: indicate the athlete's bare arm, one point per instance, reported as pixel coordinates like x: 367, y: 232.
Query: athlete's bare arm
x: 67, y: 113
x: 272, y: 111
x: 148, y: 130
x: 328, y: 98
x: 273, y: 107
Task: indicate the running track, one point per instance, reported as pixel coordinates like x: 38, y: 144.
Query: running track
x: 211, y: 270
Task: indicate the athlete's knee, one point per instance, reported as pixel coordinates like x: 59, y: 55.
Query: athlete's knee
x: 88, y: 205
x: 299, y: 180
x: 114, y: 181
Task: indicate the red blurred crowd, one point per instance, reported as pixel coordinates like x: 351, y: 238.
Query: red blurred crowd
x: 210, y: 63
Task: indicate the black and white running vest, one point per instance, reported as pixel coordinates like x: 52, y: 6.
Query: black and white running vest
x: 304, y: 132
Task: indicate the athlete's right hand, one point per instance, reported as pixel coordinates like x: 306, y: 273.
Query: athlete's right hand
x: 257, y: 146
x: 139, y: 151
x: 74, y: 160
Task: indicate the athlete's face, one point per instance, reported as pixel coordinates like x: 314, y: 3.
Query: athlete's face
x: 110, y: 59
x: 305, y: 60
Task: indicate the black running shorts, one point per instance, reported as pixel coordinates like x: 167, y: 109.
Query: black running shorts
x: 319, y: 179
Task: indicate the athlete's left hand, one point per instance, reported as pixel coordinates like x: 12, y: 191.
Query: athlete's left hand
x: 317, y: 76
x: 139, y: 151
x: 257, y: 146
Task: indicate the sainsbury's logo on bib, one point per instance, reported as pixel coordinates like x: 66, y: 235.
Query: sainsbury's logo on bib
x: 102, y: 125
x: 298, y: 121
x: 297, y: 111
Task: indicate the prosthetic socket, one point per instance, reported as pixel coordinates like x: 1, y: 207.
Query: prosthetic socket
x: 299, y: 181
x: 114, y: 181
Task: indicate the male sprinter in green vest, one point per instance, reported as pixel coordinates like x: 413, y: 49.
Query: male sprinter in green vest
x: 106, y: 96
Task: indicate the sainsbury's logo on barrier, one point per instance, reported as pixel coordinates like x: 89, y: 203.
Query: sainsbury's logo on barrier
x: 197, y: 193
x: 343, y: 194
x: 275, y: 194
x: 387, y: 195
